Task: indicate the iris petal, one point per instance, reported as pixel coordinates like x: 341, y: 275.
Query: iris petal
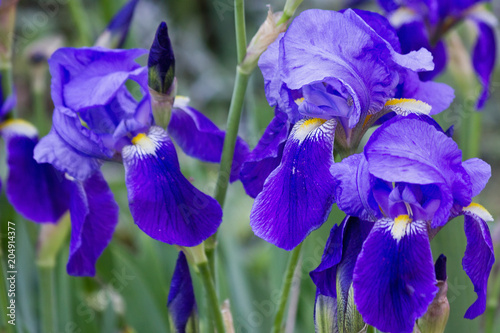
x: 163, y: 203
x: 298, y: 195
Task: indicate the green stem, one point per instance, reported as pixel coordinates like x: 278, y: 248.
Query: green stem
x: 471, y: 136
x: 492, y: 306
x: 371, y: 329
x: 213, y: 300
x: 240, y: 27
x: 233, y: 122
x: 80, y: 19
x: 47, y: 299
x: 285, y: 291
x: 4, y: 300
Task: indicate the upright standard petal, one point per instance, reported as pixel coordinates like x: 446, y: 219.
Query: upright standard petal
x: 94, y: 216
x: 479, y: 172
x: 298, y: 195
x: 37, y: 191
x: 479, y: 255
x: 394, y: 279
x: 163, y: 203
x: 266, y: 156
x: 200, y: 138
x: 181, y: 300
x: 483, y: 58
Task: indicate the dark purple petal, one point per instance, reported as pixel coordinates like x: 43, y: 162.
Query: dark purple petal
x: 163, y: 203
x: 120, y: 23
x: 94, y: 216
x: 479, y: 255
x: 440, y: 268
x: 200, y: 138
x: 389, y: 5
x: 479, y: 172
x: 181, y: 300
x: 483, y: 58
x: 266, y: 156
x: 37, y: 191
x: 353, y: 193
x: 298, y: 195
x: 394, y: 280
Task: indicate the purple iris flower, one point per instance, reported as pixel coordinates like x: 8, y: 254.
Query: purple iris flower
x: 328, y: 69
x: 409, y: 182
x: 422, y: 23
x: 99, y: 118
x: 181, y: 300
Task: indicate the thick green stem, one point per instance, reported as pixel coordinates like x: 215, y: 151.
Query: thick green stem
x: 285, y: 289
x: 471, y: 135
x: 212, y: 299
x: 47, y: 299
x: 233, y: 122
x: 240, y: 27
x: 81, y: 22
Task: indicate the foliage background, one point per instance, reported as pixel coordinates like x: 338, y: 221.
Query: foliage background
x: 133, y: 275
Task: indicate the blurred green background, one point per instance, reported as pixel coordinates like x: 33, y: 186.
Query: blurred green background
x: 130, y: 289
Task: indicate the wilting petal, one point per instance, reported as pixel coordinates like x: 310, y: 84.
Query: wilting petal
x: 483, y: 58
x: 199, y: 137
x: 479, y: 172
x: 394, y: 279
x: 479, y: 255
x: 37, y: 191
x: 298, y: 195
x: 94, y: 216
x: 353, y: 193
x: 163, y: 203
x: 181, y: 300
x: 266, y: 156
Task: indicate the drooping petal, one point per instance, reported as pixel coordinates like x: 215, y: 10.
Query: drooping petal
x: 298, y: 195
x: 163, y: 203
x: 199, y: 137
x: 181, y: 300
x: 479, y: 255
x: 483, y: 58
x: 266, y: 156
x: 394, y: 279
x: 353, y: 193
x: 479, y: 172
x: 94, y: 216
x: 37, y: 191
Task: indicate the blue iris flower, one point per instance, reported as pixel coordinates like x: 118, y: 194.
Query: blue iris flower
x: 408, y: 184
x: 329, y: 72
x: 98, y: 118
x: 424, y: 23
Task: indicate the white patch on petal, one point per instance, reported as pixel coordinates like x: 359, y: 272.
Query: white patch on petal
x: 181, y: 101
x: 402, y: 16
x: 479, y: 211
x: 399, y: 229
x: 18, y: 127
x: 68, y: 177
x: 145, y: 145
x: 306, y: 126
x: 406, y: 106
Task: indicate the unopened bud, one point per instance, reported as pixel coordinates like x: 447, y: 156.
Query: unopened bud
x: 117, y: 30
x: 325, y: 314
x: 161, y: 62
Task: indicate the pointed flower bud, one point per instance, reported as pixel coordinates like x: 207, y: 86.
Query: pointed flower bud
x: 181, y: 301
x: 117, y: 30
x: 161, y: 62
x: 325, y: 314
x: 436, y: 317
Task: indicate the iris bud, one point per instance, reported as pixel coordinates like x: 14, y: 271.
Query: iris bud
x: 117, y: 30
x: 325, y: 314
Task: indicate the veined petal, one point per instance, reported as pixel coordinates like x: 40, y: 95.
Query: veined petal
x: 298, y: 195
x: 394, y: 279
x: 94, y: 216
x: 483, y: 58
x: 200, y: 138
x: 163, y: 203
x: 266, y: 156
x: 479, y: 172
x: 181, y: 299
x: 37, y: 191
x: 479, y: 255
x: 353, y: 193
